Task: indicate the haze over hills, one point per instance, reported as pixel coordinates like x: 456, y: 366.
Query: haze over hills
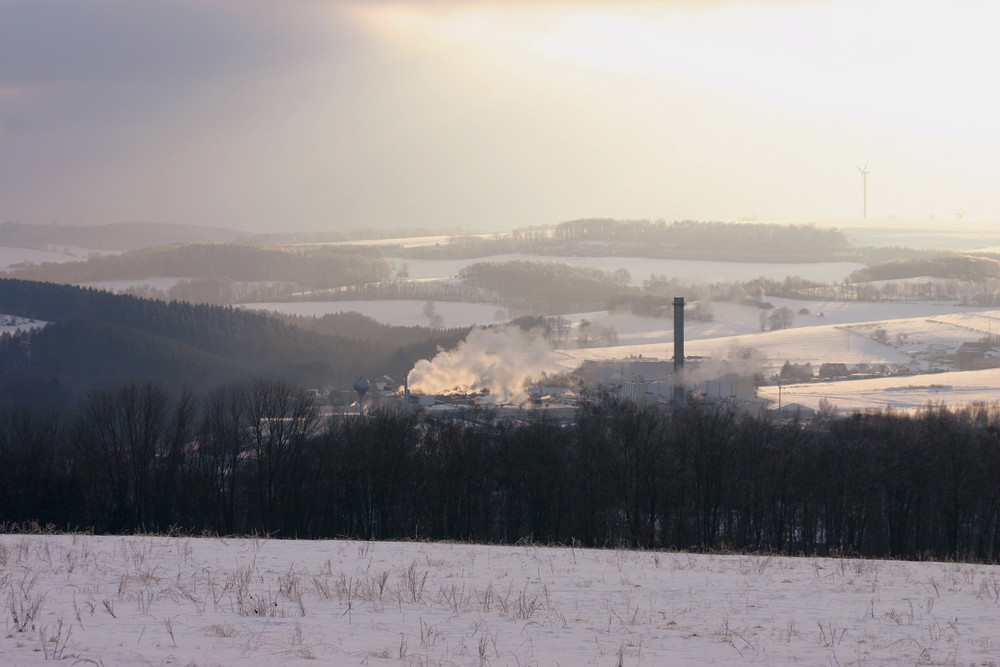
x: 119, y: 236
x: 621, y: 297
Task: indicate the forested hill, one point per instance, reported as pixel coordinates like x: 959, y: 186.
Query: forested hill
x: 562, y: 288
x: 320, y: 267
x: 951, y: 267
x: 685, y: 239
x: 99, y: 339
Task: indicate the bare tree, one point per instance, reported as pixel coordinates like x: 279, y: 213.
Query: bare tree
x: 781, y: 318
x: 280, y: 419
x: 119, y: 435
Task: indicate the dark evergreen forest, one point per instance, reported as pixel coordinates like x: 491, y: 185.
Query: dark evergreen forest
x: 98, y: 339
x: 256, y: 457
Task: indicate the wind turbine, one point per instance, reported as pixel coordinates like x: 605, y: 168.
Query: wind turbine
x: 864, y: 188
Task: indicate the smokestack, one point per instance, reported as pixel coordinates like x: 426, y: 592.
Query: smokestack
x: 678, y: 350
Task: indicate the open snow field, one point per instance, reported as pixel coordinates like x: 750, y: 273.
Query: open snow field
x: 910, y: 392
x: 843, y: 334
x: 208, y: 601
x: 738, y: 320
x: 810, y: 338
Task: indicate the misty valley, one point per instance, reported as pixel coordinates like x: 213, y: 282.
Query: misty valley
x: 785, y: 305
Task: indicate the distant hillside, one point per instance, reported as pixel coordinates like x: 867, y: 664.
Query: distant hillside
x: 291, y: 238
x: 685, y: 239
x: 100, y: 339
x: 953, y: 267
x: 356, y: 325
x: 314, y: 268
x: 115, y: 236
x: 557, y: 287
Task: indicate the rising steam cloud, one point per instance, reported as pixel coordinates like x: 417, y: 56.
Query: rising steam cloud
x: 498, y: 360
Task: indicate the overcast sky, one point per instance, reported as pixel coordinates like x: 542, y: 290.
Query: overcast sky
x: 322, y: 114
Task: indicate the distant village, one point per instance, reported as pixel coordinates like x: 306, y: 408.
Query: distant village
x: 649, y: 380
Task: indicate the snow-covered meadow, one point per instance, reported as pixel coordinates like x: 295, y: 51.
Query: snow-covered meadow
x: 104, y: 600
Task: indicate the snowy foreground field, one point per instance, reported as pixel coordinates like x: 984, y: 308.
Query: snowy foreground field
x: 93, y: 600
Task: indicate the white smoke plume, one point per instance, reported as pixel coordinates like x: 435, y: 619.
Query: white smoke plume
x: 499, y: 360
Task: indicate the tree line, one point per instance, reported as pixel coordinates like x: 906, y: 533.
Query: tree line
x: 549, y: 287
x: 953, y: 267
x: 257, y: 456
x: 689, y: 239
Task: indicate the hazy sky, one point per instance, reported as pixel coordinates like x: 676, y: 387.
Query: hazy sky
x: 322, y: 114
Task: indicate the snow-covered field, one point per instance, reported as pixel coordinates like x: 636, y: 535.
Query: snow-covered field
x: 908, y: 392
x: 843, y: 333
x: 732, y: 319
x: 102, y: 600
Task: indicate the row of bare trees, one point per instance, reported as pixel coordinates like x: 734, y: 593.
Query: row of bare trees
x: 257, y: 457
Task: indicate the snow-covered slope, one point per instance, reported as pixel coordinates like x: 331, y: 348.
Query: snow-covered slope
x: 12, y: 323
x: 86, y: 599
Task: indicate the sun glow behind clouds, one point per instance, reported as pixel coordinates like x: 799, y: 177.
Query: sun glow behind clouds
x: 912, y: 66
x: 681, y: 108
x: 353, y: 113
